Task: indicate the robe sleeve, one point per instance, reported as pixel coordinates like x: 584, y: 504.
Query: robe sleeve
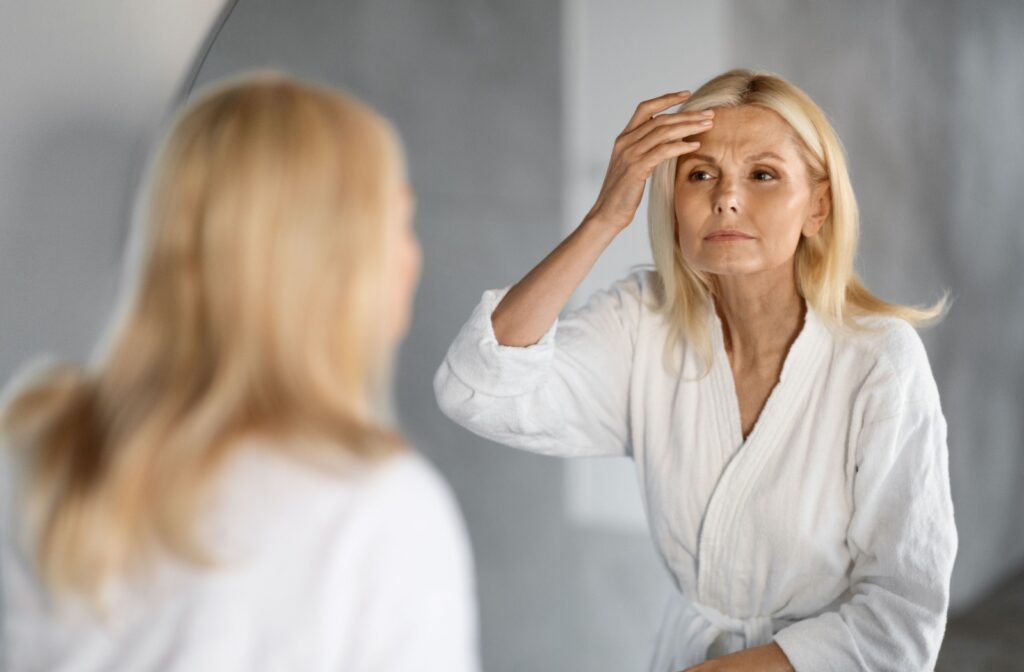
x: 566, y: 395
x: 903, y: 542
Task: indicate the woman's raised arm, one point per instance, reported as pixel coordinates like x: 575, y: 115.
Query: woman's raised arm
x: 509, y: 378
x: 530, y: 307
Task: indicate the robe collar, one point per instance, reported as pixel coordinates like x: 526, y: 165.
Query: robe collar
x: 805, y: 356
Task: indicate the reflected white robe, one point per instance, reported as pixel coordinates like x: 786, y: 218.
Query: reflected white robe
x: 829, y: 529
x: 318, y: 572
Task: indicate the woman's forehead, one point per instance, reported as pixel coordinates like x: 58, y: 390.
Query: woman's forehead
x: 747, y: 133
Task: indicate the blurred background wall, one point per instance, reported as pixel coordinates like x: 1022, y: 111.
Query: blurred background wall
x: 84, y: 85
x: 508, y: 111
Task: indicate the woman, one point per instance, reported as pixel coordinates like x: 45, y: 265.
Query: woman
x: 222, y: 489
x: 784, y: 421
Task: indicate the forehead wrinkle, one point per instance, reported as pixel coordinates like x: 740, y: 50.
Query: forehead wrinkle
x: 747, y: 127
x: 749, y: 159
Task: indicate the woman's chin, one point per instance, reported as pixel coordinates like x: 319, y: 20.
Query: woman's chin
x: 731, y: 267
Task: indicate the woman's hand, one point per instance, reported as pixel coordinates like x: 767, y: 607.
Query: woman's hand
x: 646, y: 141
x: 767, y: 658
x: 531, y: 305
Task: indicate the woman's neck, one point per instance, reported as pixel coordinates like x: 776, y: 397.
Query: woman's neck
x: 761, y: 316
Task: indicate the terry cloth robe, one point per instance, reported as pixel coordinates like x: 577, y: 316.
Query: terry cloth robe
x: 829, y: 529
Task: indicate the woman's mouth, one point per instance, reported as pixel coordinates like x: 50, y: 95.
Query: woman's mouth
x: 727, y: 236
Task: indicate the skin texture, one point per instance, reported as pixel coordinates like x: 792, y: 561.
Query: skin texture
x: 767, y: 658
x: 770, y: 200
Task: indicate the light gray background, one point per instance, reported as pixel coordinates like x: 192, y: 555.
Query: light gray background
x: 507, y: 110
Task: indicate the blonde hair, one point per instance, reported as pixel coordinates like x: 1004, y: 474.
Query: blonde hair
x: 824, y: 263
x: 256, y: 308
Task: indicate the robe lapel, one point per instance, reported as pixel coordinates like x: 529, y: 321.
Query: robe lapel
x: 744, y: 460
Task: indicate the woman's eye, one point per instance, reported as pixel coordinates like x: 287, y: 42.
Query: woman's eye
x: 698, y: 172
x: 758, y: 178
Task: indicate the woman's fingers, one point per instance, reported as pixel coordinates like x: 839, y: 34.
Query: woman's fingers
x: 634, y: 150
x: 664, y: 152
x: 670, y: 133
x: 648, y: 108
x: 661, y: 120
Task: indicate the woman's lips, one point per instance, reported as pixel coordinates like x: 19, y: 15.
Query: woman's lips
x: 726, y: 236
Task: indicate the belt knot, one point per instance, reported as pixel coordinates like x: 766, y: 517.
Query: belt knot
x: 756, y: 630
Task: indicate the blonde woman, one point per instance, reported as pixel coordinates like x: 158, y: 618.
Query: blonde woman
x: 784, y: 421
x: 222, y: 490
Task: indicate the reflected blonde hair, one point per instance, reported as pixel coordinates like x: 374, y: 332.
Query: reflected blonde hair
x: 824, y: 263
x: 255, y: 308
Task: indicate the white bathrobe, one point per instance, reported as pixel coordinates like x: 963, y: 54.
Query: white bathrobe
x: 320, y: 572
x: 829, y: 529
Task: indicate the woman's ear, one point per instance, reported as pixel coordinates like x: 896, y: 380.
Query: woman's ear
x: 821, y: 207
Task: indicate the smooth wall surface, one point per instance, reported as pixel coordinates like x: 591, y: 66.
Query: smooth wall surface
x: 84, y: 87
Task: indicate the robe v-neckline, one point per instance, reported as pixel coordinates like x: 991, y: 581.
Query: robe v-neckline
x: 796, y: 366
x: 744, y: 459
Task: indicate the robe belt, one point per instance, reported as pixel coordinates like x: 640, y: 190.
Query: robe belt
x: 757, y: 630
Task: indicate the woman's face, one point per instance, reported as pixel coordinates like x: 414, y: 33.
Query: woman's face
x: 744, y: 197
x: 404, y: 260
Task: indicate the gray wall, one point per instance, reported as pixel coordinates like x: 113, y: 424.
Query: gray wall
x: 84, y: 87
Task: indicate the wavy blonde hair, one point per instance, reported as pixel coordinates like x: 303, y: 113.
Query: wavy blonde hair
x: 824, y: 263
x: 254, y: 307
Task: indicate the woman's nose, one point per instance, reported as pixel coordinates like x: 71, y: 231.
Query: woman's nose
x: 726, y: 199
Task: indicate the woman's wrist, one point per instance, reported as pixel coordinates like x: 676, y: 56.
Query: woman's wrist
x: 599, y: 225
x: 767, y: 658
